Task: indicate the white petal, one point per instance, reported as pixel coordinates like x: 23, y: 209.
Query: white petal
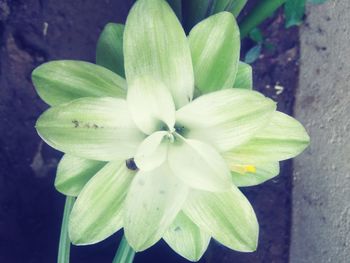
x: 150, y: 104
x: 91, y: 128
x: 226, y: 216
x: 198, y: 165
x: 186, y: 238
x: 225, y: 118
x: 283, y: 138
x: 153, y: 151
x: 98, y: 212
x: 153, y: 201
x: 155, y: 45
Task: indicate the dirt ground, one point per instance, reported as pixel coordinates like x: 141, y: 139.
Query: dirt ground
x: 35, y: 31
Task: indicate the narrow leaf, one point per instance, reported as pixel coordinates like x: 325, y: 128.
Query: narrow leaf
x: 109, y: 51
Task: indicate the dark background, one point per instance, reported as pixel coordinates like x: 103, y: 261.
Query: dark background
x: 30, y: 207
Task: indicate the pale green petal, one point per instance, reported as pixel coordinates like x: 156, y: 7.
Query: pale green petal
x: 153, y: 201
x: 74, y: 172
x: 244, y: 78
x: 198, y: 165
x: 91, y: 128
x: 215, y: 47
x: 155, y: 45
x: 283, y: 138
x: 226, y: 118
x: 151, y: 105
x: 109, y: 51
x: 98, y: 211
x: 262, y: 173
x: 227, y: 216
x: 186, y: 239
x: 153, y: 151
x: 61, y: 81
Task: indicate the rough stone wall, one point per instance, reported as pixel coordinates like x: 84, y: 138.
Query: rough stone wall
x: 321, y: 195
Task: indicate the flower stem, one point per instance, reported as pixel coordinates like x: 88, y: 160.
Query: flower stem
x: 125, y: 254
x: 64, y: 245
x: 260, y: 12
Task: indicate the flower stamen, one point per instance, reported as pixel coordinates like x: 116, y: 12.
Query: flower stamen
x: 243, y: 169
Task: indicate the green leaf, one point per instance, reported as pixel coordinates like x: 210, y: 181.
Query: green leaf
x: 233, y: 6
x: 244, y: 77
x: 98, y: 211
x: 153, y: 201
x: 262, y: 173
x: 237, y: 7
x: 215, y: 47
x: 225, y: 119
x: 186, y: 238
x: 253, y: 54
x: 155, y: 46
x: 74, y: 172
x: 282, y: 138
x: 153, y: 151
x: 198, y: 165
x: 62, y: 81
x: 294, y: 11
x: 227, y: 216
x: 91, y: 128
x: 151, y: 105
x: 109, y: 51
x: 256, y: 35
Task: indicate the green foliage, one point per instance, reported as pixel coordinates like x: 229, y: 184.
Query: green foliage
x: 294, y: 11
x: 253, y: 54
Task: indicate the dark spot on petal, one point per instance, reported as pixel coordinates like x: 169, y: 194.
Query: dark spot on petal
x: 177, y: 229
x: 76, y: 123
x: 131, y: 165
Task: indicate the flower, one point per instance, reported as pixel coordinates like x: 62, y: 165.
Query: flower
x: 162, y: 153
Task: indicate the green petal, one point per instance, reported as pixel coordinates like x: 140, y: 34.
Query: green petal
x: 244, y: 78
x: 199, y: 165
x: 98, y: 212
x: 61, y: 81
x: 186, y: 239
x: 74, y: 172
x: 283, y: 138
x: 151, y: 105
x: 91, y: 128
x: 155, y: 45
x: 109, y: 51
x: 226, y: 216
x: 153, y: 151
x: 226, y: 118
x: 262, y: 173
x: 215, y: 47
x: 153, y: 201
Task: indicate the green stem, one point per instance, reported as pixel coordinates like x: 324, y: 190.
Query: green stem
x: 125, y: 254
x: 260, y: 12
x: 64, y: 245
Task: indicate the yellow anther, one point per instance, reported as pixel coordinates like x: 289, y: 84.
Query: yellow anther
x: 250, y: 168
x: 243, y: 169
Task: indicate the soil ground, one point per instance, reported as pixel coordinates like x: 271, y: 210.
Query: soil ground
x: 35, y: 31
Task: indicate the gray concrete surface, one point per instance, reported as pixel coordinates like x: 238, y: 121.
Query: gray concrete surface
x: 321, y: 194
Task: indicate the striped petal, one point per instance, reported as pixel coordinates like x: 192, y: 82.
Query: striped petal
x: 225, y: 119
x: 91, y: 128
x: 155, y: 45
